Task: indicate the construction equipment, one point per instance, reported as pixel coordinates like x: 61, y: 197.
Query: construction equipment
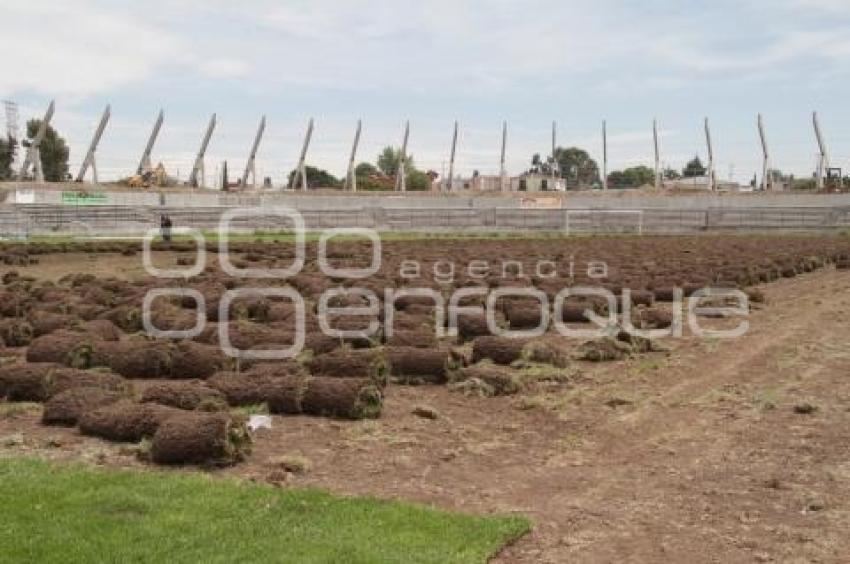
x: 157, y: 177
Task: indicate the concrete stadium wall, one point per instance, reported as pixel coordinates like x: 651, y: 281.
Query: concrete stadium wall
x: 57, y: 194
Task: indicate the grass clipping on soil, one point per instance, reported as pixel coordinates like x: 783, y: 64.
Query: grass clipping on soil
x: 72, y: 514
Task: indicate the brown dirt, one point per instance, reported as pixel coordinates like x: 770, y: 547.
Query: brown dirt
x: 695, y: 456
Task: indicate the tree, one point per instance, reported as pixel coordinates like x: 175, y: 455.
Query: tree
x: 365, y: 169
x: 694, y: 168
x: 631, y: 177
x: 671, y: 174
x: 8, y: 148
x: 576, y: 164
x: 316, y: 178
x: 418, y: 180
x: 54, y: 151
x: 389, y: 160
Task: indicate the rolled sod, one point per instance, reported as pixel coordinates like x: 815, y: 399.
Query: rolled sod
x: 189, y: 394
x: 654, y: 318
x: 195, y: 360
x: 414, y: 365
x: 101, y: 329
x: 503, y: 380
x: 319, y: 343
x: 285, y: 395
x: 201, y: 438
x: 420, y: 338
x: 66, y: 407
x: 471, y: 326
x: 345, y: 398
x: 575, y: 313
x: 545, y: 351
x: 524, y: 316
x: 16, y: 332
x: 135, y: 358
x: 63, y: 347
x: 127, y: 318
x: 40, y: 381
x: 44, y: 322
x: 245, y: 388
x: 604, y: 349
x: 125, y: 420
x: 501, y: 350
x: 343, y: 363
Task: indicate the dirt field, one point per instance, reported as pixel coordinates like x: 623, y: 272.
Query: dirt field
x: 716, y: 451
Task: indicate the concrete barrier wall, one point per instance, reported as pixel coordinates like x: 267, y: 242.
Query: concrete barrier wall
x: 333, y: 200
x: 48, y: 219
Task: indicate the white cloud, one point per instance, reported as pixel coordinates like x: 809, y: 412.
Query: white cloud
x: 75, y: 50
x: 223, y: 68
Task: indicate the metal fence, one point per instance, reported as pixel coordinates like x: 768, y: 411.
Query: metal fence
x: 44, y: 219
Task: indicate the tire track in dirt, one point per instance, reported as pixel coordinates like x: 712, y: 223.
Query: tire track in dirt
x: 668, y: 479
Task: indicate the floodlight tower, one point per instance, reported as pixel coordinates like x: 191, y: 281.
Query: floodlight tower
x: 198, y: 167
x: 503, y: 175
x: 401, y: 173
x: 767, y: 181
x: 351, y: 177
x: 11, y: 110
x: 604, y: 155
x: 823, y: 157
x: 450, y: 180
x: 33, y: 152
x: 145, y: 161
x: 301, y: 167
x: 657, y: 154
x: 712, y: 175
x: 251, y: 166
x: 89, y: 161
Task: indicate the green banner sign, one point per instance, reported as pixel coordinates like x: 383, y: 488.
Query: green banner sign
x: 83, y: 198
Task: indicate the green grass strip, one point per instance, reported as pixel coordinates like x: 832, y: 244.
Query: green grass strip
x: 69, y: 513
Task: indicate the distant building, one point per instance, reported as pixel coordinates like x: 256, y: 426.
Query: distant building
x: 527, y: 182
x: 699, y: 183
x: 536, y: 182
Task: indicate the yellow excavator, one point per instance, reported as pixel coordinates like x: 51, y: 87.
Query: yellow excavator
x: 157, y: 177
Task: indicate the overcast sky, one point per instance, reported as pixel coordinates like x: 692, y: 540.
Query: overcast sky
x: 528, y: 62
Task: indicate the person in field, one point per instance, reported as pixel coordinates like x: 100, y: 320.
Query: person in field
x: 165, y: 227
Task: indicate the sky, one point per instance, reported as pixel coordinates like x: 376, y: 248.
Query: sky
x: 529, y: 62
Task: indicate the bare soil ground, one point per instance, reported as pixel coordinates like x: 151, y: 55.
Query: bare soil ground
x: 722, y: 451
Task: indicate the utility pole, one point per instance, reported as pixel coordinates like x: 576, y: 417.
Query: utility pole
x: 767, y: 181
x: 351, y: 177
x: 554, y: 142
x: 502, y: 172
x: 198, y: 167
x: 450, y: 180
x: 657, y: 154
x: 251, y: 166
x: 712, y: 175
x: 34, y: 150
x: 301, y: 169
x: 89, y: 161
x: 604, y: 155
x: 145, y: 162
x: 401, y: 173
x: 823, y: 157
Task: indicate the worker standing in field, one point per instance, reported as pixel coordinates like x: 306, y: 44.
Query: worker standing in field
x: 165, y: 227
